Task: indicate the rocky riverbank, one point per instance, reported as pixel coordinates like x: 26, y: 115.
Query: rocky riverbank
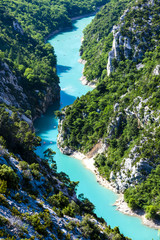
x: 83, y: 79
x: 121, y: 205
x: 88, y: 162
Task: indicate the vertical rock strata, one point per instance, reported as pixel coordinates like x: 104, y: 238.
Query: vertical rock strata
x: 131, y: 40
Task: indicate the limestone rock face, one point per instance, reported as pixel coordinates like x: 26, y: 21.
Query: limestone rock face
x: 33, y: 206
x: 11, y: 93
x: 131, y: 172
x: 156, y: 70
x: 133, y: 168
x: 60, y: 139
x: 132, y: 42
x: 17, y: 27
x: 51, y: 94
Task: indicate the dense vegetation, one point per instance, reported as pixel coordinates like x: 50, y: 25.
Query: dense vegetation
x: 98, y: 39
x: 30, y: 60
x: 40, y: 18
x: 36, y: 200
x: 123, y: 110
x: 146, y: 195
x: 24, y: 24
x: 88, y: 119
x: 16, y: 134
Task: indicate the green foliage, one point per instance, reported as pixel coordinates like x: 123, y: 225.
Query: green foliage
x: 3, y: 201
x: 132, y: 204
x: 70, y: 226
x: 35, y: 170
x: 85, y: 205
x: 2, y: 141
x: 47, y: 219
x: 146, y: 195
x: 71, y: 210
x: 24, y: 26
x: 94, y: 118
x: 43, y: 17
x: 151, y: 211
x: 23, y: 165
x: 98, y: 39
x: 90, y: 229
x: 31, y: 61
x: 17, y: 134
x: 3, y: 221
x: 7, y: 174
x: 49, y: 157
x: 3, y: 186
x: 66, y: 180
x: 34, y: 220
x: 15, y: 211
x: 58, y: 200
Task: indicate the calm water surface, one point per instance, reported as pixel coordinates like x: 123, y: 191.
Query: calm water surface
x: 66, y: 45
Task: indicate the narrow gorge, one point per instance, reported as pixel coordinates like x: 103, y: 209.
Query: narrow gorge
x: 110, y: 125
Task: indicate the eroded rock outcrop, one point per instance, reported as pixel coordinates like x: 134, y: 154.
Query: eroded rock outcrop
x: 11, y: 93
x: 18, y: 27
x: 131, y: 41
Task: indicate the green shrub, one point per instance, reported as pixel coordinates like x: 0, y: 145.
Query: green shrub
x: 86, y: 205
x: 27, y: 175
x: 34, y: 166
x: 151, y: 211
x: 58, y: 200
x: 3, y: 186
x: 3, y: 201
x: 35, y: 222
x: 90, y: 229
x: 132, y: 204
x: 3, y: 221
x: 15, y: 211
x: 2, y: 141
x: 71, y: 210
x: 7, y: 174
x: 70, y: 226
x: 36, y: 174
x: 23, y: 165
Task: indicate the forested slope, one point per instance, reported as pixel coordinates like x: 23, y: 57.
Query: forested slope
x: 122, y: 112
x: 36, y: 202
x: 31, y: 62
x: 98, y: 39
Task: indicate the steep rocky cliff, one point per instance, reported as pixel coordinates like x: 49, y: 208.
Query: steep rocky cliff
x: 123, y: 111
x: 36, y: 201
x: 11, y: 92
x: 27, y: 68
x: 131, y: 39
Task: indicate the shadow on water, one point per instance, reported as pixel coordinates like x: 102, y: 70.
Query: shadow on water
x: 47, y: 124
x: 101, y: 197
x: 62, y: 69
x: 48, y: 121
x: 66, y: 99
x: 62, y: 31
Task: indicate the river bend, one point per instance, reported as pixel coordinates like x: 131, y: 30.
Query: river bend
x: 66, y: 45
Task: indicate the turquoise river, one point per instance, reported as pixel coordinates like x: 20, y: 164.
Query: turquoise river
x: 66, y: 45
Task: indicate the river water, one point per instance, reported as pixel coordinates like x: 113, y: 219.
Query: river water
x: 66, y: 45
